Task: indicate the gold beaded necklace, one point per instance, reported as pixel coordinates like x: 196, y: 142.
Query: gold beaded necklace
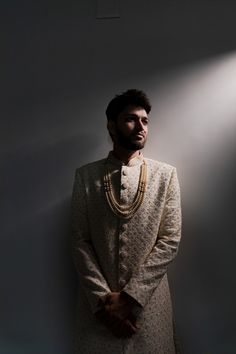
x: 126, y: 211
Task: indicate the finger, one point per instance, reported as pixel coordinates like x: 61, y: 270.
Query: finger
x: 129, y: 327
x: 133, y: 320
x: 124, y: 329
x: 117, y: 329
x: 120, y: 313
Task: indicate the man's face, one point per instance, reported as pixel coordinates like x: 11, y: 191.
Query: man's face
x: 131, y: 128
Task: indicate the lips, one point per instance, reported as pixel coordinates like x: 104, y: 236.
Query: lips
x: 139, y: 136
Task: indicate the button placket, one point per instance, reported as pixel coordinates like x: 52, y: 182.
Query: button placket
x: 123, y: 254
x: 124, y: 185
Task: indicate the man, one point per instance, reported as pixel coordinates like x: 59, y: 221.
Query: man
x: 126, y: 221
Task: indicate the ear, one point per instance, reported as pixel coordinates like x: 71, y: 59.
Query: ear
x: 111, y: 127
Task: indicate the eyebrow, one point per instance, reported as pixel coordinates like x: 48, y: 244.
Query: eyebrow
x: 134, y: 115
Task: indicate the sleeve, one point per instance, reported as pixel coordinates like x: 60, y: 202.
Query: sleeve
x: 149, y: 275
x: 84, y: 257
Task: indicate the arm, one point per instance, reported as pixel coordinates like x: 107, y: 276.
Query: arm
x: 84, y: 257
x: 148, y: 276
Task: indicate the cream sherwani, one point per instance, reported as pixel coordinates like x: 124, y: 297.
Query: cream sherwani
x: 113, y: 254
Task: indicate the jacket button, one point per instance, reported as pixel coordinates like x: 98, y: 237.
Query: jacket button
x: 122, y: 283
x: 124, y: 227
x: 123, y: 240
x: 125, y: 200
x: 124, y: 185
x: 123, y: 268
x: 123, y: 255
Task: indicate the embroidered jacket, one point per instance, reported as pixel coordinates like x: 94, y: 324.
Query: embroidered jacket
x: 113, y: 254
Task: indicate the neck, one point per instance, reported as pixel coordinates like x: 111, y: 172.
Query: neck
x: 124, y: 155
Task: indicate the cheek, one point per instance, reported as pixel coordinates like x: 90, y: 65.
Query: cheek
x: 128, y: 127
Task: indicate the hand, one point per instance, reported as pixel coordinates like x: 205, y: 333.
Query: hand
x: 117, y: 314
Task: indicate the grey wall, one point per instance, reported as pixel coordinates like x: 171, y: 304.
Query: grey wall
x: 59, y: 68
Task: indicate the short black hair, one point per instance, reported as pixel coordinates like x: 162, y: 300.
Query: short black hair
x: 130, y: 97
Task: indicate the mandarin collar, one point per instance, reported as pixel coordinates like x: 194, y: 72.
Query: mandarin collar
x: 132, y: 162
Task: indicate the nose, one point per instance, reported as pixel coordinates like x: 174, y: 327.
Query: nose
x: 140, y: 125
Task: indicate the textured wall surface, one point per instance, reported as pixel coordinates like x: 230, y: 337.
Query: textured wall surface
x: 59, y: 68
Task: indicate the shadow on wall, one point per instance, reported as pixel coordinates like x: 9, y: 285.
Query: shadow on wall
x: 38, y: 281
x: 35, y: 176
x: 35, y: 255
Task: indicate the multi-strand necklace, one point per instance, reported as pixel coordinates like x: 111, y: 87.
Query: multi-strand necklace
x: 126, y: 211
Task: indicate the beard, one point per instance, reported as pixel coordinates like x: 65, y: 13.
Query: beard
x: 127, y: 142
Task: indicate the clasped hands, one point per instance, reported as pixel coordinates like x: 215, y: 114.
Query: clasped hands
x: 116, y: 314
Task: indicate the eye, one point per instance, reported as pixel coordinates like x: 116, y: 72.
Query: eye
x: 129, y: 119
x: 145, y: 121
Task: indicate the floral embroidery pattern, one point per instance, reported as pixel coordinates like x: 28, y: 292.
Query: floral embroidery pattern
x: 112, y: 254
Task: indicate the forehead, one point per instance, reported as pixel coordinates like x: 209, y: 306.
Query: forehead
x: 133, y: 110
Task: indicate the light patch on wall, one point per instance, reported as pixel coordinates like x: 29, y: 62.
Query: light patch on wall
x: 194, y: 111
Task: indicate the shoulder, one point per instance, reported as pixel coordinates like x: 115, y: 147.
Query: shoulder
x: 164, y: 172
x: 160, y: 166
x: 90, y: 169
